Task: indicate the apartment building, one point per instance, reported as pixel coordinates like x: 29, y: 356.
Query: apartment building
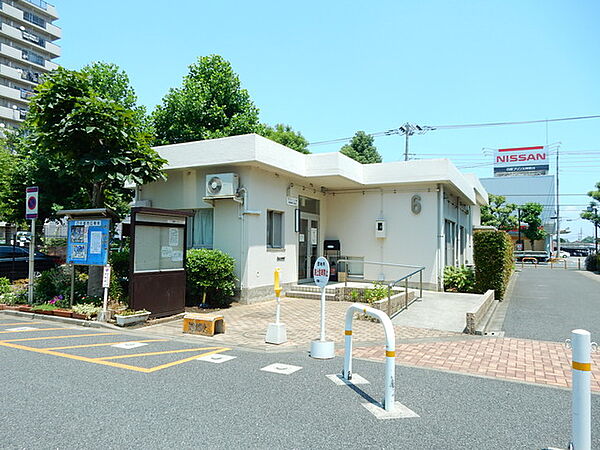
x: 27, y: 47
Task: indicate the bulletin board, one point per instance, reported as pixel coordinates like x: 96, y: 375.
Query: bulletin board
x: 87, y: 242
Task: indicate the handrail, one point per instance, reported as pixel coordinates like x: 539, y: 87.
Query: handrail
x: 391, y: 285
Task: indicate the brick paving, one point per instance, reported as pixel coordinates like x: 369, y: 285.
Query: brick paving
x: 526, y: 360
x: 246, y: 325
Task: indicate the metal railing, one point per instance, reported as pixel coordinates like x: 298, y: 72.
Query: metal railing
x: 391, y: 285
x: 39, y: 3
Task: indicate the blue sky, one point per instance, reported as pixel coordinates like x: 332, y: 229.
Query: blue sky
x: 331, y: 68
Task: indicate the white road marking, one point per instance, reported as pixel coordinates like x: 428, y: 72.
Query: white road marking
x: 21, y: 329
x: 216, y: 358
x: 356, y: 379
x: 283, y: 369
x: 399, y: 412
x: 128, y: 345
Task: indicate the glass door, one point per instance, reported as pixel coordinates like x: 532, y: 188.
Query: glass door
x: 308, y: 245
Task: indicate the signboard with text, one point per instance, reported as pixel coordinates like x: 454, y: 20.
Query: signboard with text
x: 521, y: 161
x: 87, y: 242
x: 321, y: 272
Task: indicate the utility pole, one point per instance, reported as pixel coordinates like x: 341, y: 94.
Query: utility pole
x: 557, y: 206
x: 519, y: 245
x: 408, y: 132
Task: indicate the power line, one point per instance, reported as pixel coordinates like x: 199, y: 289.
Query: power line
x: 425, y: 128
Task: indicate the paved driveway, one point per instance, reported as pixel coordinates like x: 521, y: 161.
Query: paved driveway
x: 548, y: 303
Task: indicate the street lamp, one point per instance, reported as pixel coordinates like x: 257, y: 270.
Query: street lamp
x: 594, y: 209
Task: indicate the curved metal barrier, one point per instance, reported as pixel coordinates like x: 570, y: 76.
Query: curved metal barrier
x: 390, y: 350
x: 529, y: 258
x: 557, y: 260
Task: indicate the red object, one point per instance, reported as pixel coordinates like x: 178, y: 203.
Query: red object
x: 517, y: 149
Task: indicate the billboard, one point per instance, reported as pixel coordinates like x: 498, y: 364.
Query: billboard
x: 521, y: 161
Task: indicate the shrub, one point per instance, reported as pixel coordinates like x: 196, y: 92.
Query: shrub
x: 493, y: 257
x: 57, y: 282
x: 210, y: 272
x: 592, y: 262
x: 379, y: 291
x: 87, y: 309
x: 119, y: 278
x: 5, y: 285
x: 459, y: 279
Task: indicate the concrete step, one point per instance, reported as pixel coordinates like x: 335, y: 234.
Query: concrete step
x: 309, y: 288
x: 309, y: 295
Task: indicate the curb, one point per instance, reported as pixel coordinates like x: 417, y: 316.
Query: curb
x: 68, y: 320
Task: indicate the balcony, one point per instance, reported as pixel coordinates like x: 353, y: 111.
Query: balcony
x: 11, y: 52
x: 12, y: 114
x: 8, y: 92
x: 17, y: 15
x: 44, y: 7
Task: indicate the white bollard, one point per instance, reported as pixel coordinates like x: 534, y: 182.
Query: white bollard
x: 390, y: 350
x: 581, y: 397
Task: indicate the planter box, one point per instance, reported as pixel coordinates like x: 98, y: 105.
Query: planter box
x: 62, y: 313
x: 25, y: 308
x: 132, y: 319
x: 12, y: 307
x: 43, y: 311
x: 79, y: 316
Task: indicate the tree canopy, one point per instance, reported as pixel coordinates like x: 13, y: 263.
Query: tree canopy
x: 531, y: 215
x: 499, y: 214
x: 361, y: 149
x: 82, y: 141
x: 285, y: 135
x: 592, y: 216
x: 209, y: 104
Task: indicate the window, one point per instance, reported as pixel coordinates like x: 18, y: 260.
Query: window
x: 274, y: 229
x: 200, y: 229
x: 33, y: 57
x: 35, y: 19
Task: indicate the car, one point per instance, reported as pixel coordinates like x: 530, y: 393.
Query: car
x: 14, y: 262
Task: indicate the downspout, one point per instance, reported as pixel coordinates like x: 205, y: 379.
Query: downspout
x: 243, y: 201
x: 440, y: 240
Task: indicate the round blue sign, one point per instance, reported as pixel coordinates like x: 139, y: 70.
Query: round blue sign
x: 31, y: 202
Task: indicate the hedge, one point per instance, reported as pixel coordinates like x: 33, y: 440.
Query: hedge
x: 494, y: 260
x: 210, y: 272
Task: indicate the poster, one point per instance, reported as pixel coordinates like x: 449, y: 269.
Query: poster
x: 78, y: 251
x: 173, y: 237
x: 313, y: 236
x: 166, y: 251
x: 95, y: 242
x: 177, y: 256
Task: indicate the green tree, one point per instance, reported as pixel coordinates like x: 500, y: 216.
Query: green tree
x: 499, y: 214
x: 593, y: 214
x: 361, y: 149
x: 531, y: 215
x: 80, y: 145
x: 285, y: 135
x: 209, y: 104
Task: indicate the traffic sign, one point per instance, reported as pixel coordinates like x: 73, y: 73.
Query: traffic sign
x: 321, y: 272
x: 31, y: 202
x: 106, y: 276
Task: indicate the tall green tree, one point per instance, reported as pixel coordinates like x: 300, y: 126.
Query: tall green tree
x: 285, y: 135
x: 81, y: 145
x: 209, y: 104
x: 361, y: 149
x: 499, y: 214
x: 531, y: 214
x: 593, y: 214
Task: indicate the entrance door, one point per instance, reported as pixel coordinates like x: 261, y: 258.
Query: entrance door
x: 308, y: 245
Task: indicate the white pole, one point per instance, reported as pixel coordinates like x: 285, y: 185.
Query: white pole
x: 322, y: 314
x: 31, y: 261
x: 277, y: 310
x: 581, y: 397
x: 390, y: 350
x: 105, y: 306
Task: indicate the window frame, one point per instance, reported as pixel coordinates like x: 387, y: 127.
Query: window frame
x: 271, y: 244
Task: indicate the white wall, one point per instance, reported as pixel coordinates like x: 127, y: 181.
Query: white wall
x: 411, y: 238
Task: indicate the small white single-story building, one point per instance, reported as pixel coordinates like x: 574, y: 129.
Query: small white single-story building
x: 269, y: 206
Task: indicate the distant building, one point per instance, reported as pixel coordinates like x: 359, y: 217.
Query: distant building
x: 27, y: 47
x: 526, y: 189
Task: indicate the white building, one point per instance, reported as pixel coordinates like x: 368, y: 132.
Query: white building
x: 288, y: 203
x: 27, y: 47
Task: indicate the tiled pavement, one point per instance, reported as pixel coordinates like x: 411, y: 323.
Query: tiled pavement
x: 525, y: 360
x: 246, y: 325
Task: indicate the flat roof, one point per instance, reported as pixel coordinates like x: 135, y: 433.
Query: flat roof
x: 333, y: 171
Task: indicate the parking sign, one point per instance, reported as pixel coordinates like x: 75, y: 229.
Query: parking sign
x: 31, y: 202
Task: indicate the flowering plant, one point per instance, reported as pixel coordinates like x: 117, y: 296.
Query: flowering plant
x: 55, y: 299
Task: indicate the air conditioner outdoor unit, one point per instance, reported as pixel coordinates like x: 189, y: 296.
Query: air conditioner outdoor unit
x: 222, y: 185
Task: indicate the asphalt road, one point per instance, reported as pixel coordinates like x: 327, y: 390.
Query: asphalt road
x: 546, y: 304
x: 54, y: 402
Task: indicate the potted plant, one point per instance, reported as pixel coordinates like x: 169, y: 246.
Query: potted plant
x: 131, y: 317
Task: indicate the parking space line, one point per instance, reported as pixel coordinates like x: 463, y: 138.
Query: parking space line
x: 104, y: 358
x: 105, y: 344
x: 18, y: 323
x: 35, y: 329
x: 57, y: 337
x: 181, y: 361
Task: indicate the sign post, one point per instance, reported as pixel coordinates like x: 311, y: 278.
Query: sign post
x: 105, y: 285
x: 276, y: 333
x: 31, y: 212
x: 321, y: 348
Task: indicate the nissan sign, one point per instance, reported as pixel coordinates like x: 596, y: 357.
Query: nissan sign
x: 521, y: 161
